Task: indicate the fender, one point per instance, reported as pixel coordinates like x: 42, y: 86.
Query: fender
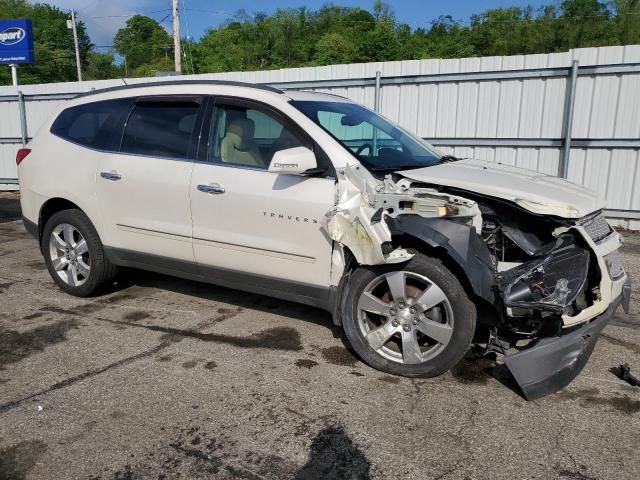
x: 461, y: 243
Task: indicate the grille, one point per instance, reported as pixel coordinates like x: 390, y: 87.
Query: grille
x: 614, y: 264
x: 597, y: 227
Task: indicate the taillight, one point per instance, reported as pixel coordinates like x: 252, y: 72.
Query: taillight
x: 22, y: 154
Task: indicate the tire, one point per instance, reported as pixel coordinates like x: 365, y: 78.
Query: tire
x: 371, y: 304
x: 63, y: 248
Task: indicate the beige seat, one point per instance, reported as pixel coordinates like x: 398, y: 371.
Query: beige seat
x: 238, y: 146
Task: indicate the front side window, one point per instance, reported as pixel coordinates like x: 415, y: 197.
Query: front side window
x: 247, y: 137
x: 377, y: 143
x: 161, y: 128
x: 97, y: 125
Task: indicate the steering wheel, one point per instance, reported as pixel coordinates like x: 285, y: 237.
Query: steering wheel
x: 363, y: 147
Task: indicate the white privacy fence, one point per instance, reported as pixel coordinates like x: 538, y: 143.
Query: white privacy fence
x: 574, y: 114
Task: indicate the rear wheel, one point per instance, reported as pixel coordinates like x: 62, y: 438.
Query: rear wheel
x: 415, y: 320
x: 74, y: 254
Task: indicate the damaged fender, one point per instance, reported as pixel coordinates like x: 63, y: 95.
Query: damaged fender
x: 461, y: 243
x: 368, y: 215
x: 349, y: 223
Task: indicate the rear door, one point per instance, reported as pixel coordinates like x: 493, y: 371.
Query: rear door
x: 143, y: 189
x: 246, y: 220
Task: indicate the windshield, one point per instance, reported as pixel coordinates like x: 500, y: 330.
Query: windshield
x: 377, y: 143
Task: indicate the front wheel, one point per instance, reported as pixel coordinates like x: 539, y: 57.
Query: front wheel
x: 74, y: 254
x: 416, y: 320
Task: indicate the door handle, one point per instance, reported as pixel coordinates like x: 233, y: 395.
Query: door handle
x: 214, y: 189
x: 113, y: 176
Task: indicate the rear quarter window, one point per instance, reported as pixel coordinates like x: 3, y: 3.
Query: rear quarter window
x: 96, y: 125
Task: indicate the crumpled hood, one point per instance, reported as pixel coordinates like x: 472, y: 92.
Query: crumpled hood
x: 534, y: 191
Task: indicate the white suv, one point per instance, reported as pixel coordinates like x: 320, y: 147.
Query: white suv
x: 313, y: 198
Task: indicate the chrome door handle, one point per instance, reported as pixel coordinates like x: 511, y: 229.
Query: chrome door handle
x: 113, y: 176
x: 214, y: 189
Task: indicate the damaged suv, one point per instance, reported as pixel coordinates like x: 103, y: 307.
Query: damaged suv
x: 313, y: 198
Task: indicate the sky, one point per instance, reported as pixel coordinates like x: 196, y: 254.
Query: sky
x: 104, y: 18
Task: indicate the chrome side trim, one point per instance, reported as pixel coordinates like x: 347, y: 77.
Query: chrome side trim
x: 154, y: 233
x: 218, y: 244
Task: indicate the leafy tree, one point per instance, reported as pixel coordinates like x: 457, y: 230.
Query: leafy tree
x: 145, y: 46
x: 447, y: 38
x: 381, y: 43
x: 53, y: 43
x: 101, y: 66
x: 334, y: 48
x: 628, y: 14
x: 331, y: 34
x: 585, y: 23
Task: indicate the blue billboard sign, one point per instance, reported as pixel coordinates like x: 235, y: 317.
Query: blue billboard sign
x: 16, y: 42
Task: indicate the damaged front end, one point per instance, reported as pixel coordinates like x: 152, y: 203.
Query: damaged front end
x: 554, y: 281
x: 551, y: 283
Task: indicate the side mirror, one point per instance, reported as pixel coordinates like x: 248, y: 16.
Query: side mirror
x: 293, y: 161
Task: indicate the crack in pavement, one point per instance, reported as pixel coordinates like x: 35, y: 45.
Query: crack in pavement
x: 98, y: 371
x: 621, y: 343
x: 279, y: 338
x: 83, y: 376
x: 466, y: 442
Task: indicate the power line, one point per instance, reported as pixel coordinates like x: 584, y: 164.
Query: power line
x: 186, y: 22
x: 482, y: 19
x: 147, y: 14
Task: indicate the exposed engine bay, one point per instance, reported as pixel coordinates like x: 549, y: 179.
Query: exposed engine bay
x: 540, y: 274
x: 536, y: 274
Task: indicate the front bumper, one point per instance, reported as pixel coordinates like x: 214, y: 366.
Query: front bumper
x: 554, y: 362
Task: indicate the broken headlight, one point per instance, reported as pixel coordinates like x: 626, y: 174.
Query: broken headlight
x: 552, y: 281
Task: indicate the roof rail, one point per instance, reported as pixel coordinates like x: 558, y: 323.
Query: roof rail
x: 129, y: 86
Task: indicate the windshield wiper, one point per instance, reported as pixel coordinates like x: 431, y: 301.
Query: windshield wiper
x: 394, y: 168
x: 449, y: 159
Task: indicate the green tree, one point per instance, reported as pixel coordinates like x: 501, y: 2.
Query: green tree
x: 296, y: 37
x: 145, y: 46
x: 628, y: 14
x: 101, y: 66
x: 53, y: 43
x: 333, y: 48
x: 586, y: 23
x: 447, y: 38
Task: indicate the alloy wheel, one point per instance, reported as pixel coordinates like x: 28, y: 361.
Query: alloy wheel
x: 70, y: 255
x: 405, y: 317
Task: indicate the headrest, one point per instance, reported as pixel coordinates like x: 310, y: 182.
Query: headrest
x: 186, y: 123
x: 244, y: 129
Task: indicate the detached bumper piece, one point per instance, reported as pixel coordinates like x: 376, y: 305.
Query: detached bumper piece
x: 552, y: 281
x: 554, y: 362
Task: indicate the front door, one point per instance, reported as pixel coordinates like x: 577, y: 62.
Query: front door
x: 143, y: 190
x: 249, y: 221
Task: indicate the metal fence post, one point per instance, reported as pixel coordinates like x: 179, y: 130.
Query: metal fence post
x: 569, y: 108
x: 23, y: 118
x: 376, y: 96
x: 376, y: 108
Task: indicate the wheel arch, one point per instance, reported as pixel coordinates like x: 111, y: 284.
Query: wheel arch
x: 456, y: 244
x: 51, y: 207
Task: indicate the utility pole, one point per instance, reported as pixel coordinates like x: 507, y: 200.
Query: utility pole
x: 177, y: 57
x: 75, y: 42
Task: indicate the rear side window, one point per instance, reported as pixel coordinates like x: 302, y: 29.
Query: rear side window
x: 97, y: 125
x: 161, y: 129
